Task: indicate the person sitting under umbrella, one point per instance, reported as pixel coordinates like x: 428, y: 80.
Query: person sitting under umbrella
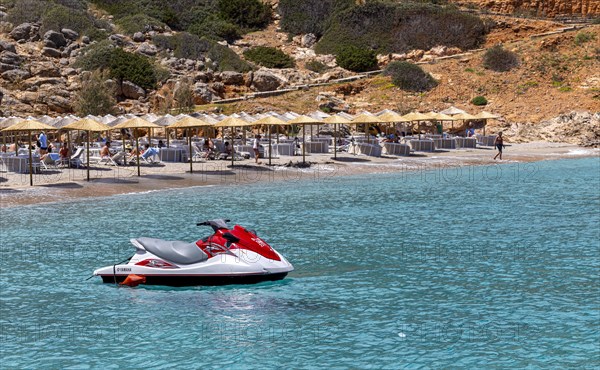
x: 64, y: 154
x: 149, y: 152
x: 105, y: 151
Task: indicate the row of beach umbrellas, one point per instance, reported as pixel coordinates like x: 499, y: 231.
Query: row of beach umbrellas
x: 269, y: 119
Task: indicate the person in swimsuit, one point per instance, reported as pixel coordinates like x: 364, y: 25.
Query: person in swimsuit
x: 255, y: 147
x: 499, y: 144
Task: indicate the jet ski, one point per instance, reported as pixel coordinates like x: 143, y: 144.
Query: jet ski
x: 228, y: 256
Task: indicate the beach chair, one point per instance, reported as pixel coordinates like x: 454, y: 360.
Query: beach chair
x: 76, y: 159
x: 131, y: 158
x: 151, y: 156
x: 198, y: 153
x: 48, y: 162
x: 114, y: 160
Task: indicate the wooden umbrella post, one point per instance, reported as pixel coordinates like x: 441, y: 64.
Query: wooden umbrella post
x: 190, y: 144
x: 270, y: 147
x: 232, y: 147
x: 303, y: 145
x: 30, y: 161
x: 87, y: 153
x: 335, y: 140
x: 137, y: 149
x: 124, y: 150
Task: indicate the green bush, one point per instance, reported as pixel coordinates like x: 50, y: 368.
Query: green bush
x: 137, y: 23
x: 96, y: 34
x: 54, y: 15
x: 409, y: 76
x: 479, y: 100
x: 190, y: 46
x: 309, y: 16
x: 95, y: 97
x: 357, y: 59
x: 249, y: 14
x: 27, y: 11
x: 164, y: 42
x: 388, y: 27
x: 500, y: 60
x: 316, y: 66
x: 213, y: 19
x: 269, y: 57
x: 125, y: 66
x: 214, y: 28
x: 119, y: 8
x: 583, y: 37
x: 96, y: 56
x: 76, y: 5
x: 120, y: 64
x: 226, y: 59
x: 58, y: 17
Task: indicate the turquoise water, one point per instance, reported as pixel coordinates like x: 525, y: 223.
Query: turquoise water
x: 470, y: 267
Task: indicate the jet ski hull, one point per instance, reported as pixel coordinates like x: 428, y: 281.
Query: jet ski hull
x: 200, y: 280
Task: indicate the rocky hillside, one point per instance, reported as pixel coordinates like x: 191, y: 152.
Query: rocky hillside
x: 551, y: 9
x: 558, y: 72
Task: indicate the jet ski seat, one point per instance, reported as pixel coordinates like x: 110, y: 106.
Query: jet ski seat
x: 173, y: 250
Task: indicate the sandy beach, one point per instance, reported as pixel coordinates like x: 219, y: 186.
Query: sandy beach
x: 69, y: 184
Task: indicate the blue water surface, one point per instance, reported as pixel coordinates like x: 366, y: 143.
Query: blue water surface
x: 472, y: 267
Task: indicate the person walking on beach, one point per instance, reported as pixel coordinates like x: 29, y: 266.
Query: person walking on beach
x: 256, y: 148
x: 499, y: 144
x: 43, y: 143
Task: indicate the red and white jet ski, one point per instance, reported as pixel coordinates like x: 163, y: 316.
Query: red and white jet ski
x: 229, y: 256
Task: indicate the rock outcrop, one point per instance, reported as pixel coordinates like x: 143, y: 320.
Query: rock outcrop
x: 58, y: 39
x: 266, y: 81
x: 580, y: 128
x: 131, y: 90
x: 24, y: 32
x: 549, y: 8
x: 202, y: 93
x: 4, y: 45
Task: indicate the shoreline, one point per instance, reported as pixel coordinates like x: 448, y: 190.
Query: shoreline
x: 70, y: 184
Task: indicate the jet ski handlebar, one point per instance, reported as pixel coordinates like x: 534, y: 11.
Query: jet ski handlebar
x: 216, y: 224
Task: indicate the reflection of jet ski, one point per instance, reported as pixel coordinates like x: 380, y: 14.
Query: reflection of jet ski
x: 229, y: 256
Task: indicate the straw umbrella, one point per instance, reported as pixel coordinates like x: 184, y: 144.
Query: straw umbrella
x: 416, y: 116
x: 189, y: 123
x: 233, y: 122
x: 270, y: 121
x: 452, y: 111
x: 304, y: 120
x: 485, y: 116
x: 165, y: 121
x: 440, y: 117
x: 136, y: 123
x: 7, y: 123
x: 88, y: 125
x: 367, y: 119
x: 391, y: 117
x: 29, y: 126
x: 335, y: 121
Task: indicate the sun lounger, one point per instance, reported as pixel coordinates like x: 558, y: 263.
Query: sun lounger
x: 48, y: 162
x: 113, y: 160
x: 76, y: 159
x: 150, y: 155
